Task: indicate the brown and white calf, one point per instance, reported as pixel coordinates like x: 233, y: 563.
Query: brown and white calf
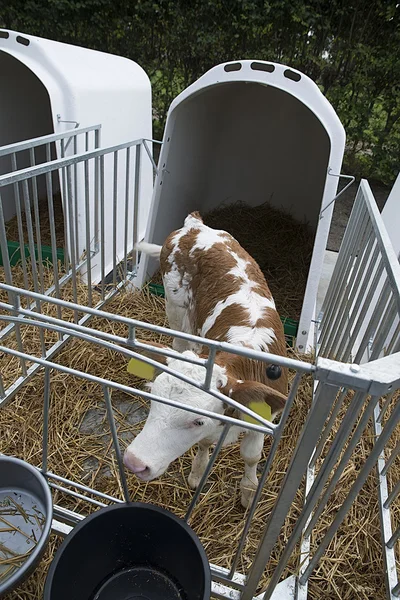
x: 214, y: 289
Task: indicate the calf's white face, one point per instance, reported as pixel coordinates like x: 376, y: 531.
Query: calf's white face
x: 169, y: 432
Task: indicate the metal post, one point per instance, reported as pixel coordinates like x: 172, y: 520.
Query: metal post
x: 114, y: 218
x: 46, y: 410
x: 87, y: 231
x: 127, y: 194
x: 111, y: 421
x: 136, y: 203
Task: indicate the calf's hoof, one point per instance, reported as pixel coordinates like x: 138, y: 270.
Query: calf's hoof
x: 247, y: 498
x: 248, y: 489
x: 194, y: 480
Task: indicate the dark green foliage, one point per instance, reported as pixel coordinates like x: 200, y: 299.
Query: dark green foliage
x: 351, y: 48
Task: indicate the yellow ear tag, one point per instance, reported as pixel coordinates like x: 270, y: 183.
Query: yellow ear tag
x: 140, y: 369
x: 261, y: 408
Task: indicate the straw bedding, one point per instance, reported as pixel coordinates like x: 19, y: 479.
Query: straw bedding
x: 80, y: 449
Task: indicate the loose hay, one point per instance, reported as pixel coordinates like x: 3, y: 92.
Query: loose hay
x: 80, y: 449
x: 12, y: 231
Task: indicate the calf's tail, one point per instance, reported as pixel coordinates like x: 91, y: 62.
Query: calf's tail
x: 152, y: 250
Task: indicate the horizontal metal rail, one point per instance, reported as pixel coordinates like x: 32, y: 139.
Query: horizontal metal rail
x: 289, y: 363
x: 62, y: 163
x: 45, y: 139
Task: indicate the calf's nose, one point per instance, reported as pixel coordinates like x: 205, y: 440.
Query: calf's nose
x: 133, y: 464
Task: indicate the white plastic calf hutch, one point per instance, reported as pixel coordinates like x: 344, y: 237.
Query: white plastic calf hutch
x: 252, y: 132
x: 50, y: 88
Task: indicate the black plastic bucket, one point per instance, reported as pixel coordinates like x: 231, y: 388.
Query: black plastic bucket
x: 130, y: 552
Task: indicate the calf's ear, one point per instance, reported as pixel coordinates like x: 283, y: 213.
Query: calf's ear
x: 256, y: 396
x: 142, y: 369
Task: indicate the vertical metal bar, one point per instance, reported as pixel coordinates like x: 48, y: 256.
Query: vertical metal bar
x: 265, y: 473
x: 395, y: 337
x: 117, y: 449
x: 209, y: 368
x: 50, y: 204
x: 391, y: 458
x: 131, y: 334
x: 127, y: 190
x: 49, y: 192
x: 342, y: 292
x: 390, y: 544
x: 114, y: 227
x: 389, y: 557
x: 206, y: 473
x: 305, y: 541
x: 375, y: 318
x: 358, y: 484
x: 20, y: 225
x: 339, y: 276
x: 18, y: 337
x: 96, y: 192
x: 328, y: 427
x: 349, y: 310
x: 87, y: 228
x: 2, y: 390
x: 364, y: 308
x: 384, y: 329
x: 155, y: 169
x: 4, y: 251
x: 393, y: 495
x: 345, y: 310
x: 31, y: 240
x: 102, y: 229
x: 72, y: 239
x: 37, y: 220
x: 372, y: 252
x: 385, y: 407
x: 296, y: 470
x: 96, y: 134
x: 136, y: 203
x: 33, y: 257
x: 340, y: 273
x: 46, y: 410
x: 75, y: 210
x: 67, y: 234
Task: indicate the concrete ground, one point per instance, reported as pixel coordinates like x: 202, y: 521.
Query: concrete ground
x: 343, y: 206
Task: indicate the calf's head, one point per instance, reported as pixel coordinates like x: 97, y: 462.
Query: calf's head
x: 169, y: 431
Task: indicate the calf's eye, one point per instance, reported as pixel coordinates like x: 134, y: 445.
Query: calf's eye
x: 198, y: 422
x: 273, y: 372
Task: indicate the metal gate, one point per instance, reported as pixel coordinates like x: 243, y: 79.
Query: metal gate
x: 83, y: 260
x: 360, y: 322
x: 359, y: 391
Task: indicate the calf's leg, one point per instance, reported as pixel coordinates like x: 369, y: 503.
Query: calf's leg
x: 250, y: 450
x: 199, y: 464
x: 176, y: 319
